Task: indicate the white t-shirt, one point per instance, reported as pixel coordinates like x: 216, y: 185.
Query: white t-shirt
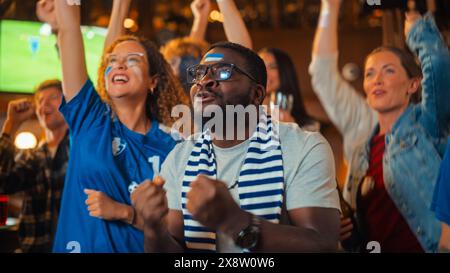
x: 309, y: 173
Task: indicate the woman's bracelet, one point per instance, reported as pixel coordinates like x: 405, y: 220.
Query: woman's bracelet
x: 133, y: 217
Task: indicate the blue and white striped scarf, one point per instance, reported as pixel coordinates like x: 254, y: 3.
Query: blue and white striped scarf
x: 260, y: 182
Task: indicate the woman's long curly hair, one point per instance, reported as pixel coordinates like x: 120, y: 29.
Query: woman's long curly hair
x: 168, y: 92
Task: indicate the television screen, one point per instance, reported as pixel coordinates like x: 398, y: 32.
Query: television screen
x: 28, y: 54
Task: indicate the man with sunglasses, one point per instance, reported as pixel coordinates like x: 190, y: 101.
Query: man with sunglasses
x: 272, y: 191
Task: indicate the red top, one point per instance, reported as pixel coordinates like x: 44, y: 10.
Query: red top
x: 383, y: 220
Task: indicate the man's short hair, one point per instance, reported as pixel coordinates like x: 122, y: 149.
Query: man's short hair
x: 53, y: 83
x: 254, y: 64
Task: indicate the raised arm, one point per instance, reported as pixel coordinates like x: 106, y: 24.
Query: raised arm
x: 71, y: 48
x: 16, y: 169
x: 346, y: 108
x: 116, y: 29
x: 325, y: 40
x: 234, y: 25
x: 200, y: 9
x: 425, y: 41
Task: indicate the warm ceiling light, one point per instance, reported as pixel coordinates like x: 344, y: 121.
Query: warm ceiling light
x: 378, y: 13
x: 128, y: 23
x: 216, y: 16
x: 25, y: 140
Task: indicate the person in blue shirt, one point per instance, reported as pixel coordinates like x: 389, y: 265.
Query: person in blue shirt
x: 117, y: 136
x: 441, y: 200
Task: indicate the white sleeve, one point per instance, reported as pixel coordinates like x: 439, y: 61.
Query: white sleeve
x: 313, y: 183
x: 347, y: 109
x: 173, y: 180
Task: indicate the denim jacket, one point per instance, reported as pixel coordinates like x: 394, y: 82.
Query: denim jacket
x: 416, y: 143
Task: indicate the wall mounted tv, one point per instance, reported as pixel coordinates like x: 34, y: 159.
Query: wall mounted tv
x: 28, y: 54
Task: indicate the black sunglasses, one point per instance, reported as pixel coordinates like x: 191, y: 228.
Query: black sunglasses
x: 217, y: 72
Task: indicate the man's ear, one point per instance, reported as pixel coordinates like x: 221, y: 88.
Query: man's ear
x: 259, y: 94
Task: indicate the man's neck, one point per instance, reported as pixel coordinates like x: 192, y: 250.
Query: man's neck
x: 54, y: 137
x: 240, y: 134
x: 228, y: 143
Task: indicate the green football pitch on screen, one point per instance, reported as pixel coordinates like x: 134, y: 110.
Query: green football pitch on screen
x: 28, y: 54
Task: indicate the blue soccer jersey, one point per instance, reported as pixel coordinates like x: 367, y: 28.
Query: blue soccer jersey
x: 105, y: 156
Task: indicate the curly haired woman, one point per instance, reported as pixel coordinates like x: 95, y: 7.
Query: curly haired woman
x: 117, y: 136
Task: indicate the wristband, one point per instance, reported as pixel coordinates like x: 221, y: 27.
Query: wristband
x: 133, y: 217
x: 324, y: 19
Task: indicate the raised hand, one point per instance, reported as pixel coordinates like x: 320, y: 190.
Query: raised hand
x: 116, y: 29
x: 411, y: 17
x: 18, y: 112
x: 201, y: 8
x: 45, y: 11
x: 326, y: 37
